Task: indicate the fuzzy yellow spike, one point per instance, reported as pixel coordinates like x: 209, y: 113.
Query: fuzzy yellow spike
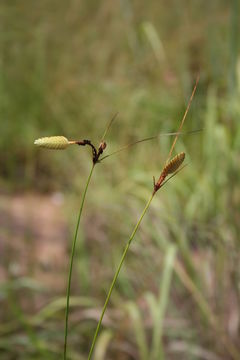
x: 53, y: 142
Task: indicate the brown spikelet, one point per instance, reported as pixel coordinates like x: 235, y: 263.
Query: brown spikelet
x: 173, y: 164
x: 102, y: 145
x: 171, y: 167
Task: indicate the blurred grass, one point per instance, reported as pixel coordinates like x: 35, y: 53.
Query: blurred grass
x: 65, y: 69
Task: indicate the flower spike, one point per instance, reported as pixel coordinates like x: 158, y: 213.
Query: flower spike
x: 53, y: 142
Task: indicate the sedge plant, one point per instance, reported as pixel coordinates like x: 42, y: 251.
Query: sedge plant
x: 171, y: 167
x: 61, y: 143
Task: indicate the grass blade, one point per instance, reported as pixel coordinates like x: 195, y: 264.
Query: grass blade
x: 157, y: 352
x: 102, y: 345
x: 205, y: 309
x: 138, y: 325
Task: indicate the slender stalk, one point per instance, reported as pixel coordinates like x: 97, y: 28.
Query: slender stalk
x: 116, y: 276
x: 71, y: 262
x: 184, y: 118
x: 140, y: 219
x: 120, y: 266
x: 150, y: 138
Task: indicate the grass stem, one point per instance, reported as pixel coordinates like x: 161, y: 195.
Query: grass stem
x: 116, y: 276
x: 71, y: 262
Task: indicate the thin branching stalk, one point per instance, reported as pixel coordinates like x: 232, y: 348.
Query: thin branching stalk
x: 71, y: 261
x: 157, y: 185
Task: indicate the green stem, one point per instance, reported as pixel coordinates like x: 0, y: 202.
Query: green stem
x: 116, y: 276
x: 71, y: 262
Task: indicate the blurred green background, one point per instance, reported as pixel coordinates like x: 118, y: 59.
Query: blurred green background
x: 65, y: 69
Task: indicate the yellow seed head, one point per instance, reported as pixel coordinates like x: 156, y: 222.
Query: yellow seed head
x: 53, y: 142
x: 174, y: 164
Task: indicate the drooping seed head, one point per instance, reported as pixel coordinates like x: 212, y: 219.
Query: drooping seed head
x: 53, y: 142
x: 174, y: 164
